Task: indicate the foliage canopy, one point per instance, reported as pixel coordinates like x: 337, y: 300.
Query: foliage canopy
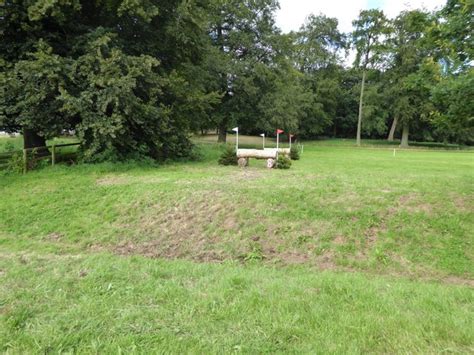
x: 135, y: 78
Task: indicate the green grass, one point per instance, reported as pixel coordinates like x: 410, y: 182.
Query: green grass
x: 104, y: 303
x: 379, y: 143
x: 8, y: 144
x: 351, y: 250
x: 256, y: 142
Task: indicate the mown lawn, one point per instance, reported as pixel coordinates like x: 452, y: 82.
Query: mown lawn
x: 351, y: 250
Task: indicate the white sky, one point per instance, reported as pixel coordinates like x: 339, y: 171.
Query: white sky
x: 292, y: 13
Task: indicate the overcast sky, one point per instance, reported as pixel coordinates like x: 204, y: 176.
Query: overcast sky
x: 292, y: 13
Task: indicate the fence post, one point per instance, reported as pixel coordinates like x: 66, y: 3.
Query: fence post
x: 25, y: 161
x: 53, y: 155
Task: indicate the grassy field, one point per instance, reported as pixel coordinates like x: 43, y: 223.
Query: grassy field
x: 351, y: 250
x: 331, y: 142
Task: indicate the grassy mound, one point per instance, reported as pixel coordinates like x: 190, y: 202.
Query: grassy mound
x: 86, y: 255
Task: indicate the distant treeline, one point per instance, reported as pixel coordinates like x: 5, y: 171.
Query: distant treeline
x: 136, y: 77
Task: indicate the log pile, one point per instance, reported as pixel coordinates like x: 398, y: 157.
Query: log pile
x: 269, y: 154
x: 284, y: 151
x: 256, y: 153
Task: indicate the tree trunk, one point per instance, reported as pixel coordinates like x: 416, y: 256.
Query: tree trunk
x: 361, y: 100
x: 406, y: 131
x: 31, y: 139
x: 392, y: 129
x: 222, y: 137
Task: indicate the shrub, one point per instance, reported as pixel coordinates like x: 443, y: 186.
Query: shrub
x: 283, y: 162
x: 228, y: 157
x: 294, y: 153
x: 255, y: 253
x: 15, y: 164
x: 9, y: 147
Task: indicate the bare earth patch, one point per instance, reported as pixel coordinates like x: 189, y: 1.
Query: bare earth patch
x: 192, y: 228
x: 339, y: 240
x: 212, y: 228
x: 54, y: 237
x: 463, y: 203
x: 413, y: 203
x: 113, y: 180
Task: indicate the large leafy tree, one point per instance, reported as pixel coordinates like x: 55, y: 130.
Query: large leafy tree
x: 454, y: 118
x: 286, y: 103
x: 119, y: 102
x: 318, y: 44
x: 119, y: 72
x: 241, y: 33
x: 453, y: 39
x: 371, y: 30
x: 30, y: 100
x: 454, y: 43
x: 413, y: 72
x: 317, y: 52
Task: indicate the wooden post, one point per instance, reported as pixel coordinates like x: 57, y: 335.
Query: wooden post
x: 53, y: 155
x: 25, y: 161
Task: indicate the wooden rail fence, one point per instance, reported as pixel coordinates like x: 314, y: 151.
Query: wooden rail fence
x: 37, y: 153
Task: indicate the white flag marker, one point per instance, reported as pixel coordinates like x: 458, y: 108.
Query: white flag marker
x: 263, y: 136
x: 236, y: 130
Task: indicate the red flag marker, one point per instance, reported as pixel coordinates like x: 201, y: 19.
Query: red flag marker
x: 278, y: 137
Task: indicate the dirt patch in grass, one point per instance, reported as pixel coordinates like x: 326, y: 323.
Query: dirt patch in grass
x: 463, y: 203
x: 339, y: 240
x: 413, y: 203
x: 112, y: 180
x: 326, y: 261
x: 456, y: 280
x: 294, y: 258
x: 255, y: 250
x: 54, y: 237
x: 215, y: 227
x: 406, y: 199
x: 219, y: 224
x: 372, y: 234
x: 159, y: 249
x: 417, y: 272
x: 195, y: 227
x: 247, y: 174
